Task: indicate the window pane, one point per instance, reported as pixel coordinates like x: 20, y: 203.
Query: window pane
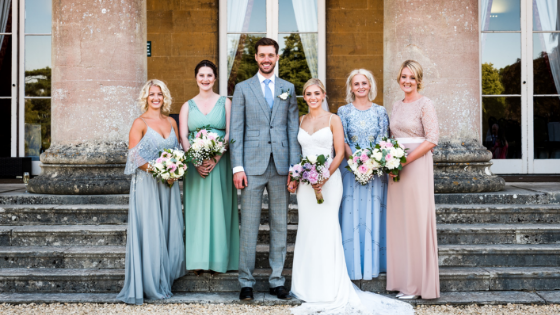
x: 38, y: 16
x: 545, y: 15
x: 546, y: 122
x: 246, y: 16
x: 297, y: 16
x: 501, y: 64
x: 501, y: 126
x: 6, y: 16
x: 37, y: 126
x: 546, y: 63
x: 294, y: 64
x: 505, y: 15
x: 241, y: 58
x: 37, y: 66
x: 6, y: 65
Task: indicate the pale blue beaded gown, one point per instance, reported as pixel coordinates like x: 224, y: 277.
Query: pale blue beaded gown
x: 155, y: 252
x: 363, y: 209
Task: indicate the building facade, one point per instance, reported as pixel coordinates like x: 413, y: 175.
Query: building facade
x: 490, y: 67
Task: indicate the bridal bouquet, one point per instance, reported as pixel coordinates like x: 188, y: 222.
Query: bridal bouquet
x: 364, y: 164
x: 205, y: 145
x: 171, y: 164
x: 393, y: 154
x: 312, y: 169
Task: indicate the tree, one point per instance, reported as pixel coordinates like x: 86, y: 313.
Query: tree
x: 38, y: 111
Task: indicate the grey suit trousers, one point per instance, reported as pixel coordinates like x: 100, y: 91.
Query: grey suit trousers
x: 251, y: 205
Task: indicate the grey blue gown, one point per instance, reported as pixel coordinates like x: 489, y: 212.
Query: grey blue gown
x: 155, y: 252
x: 363, y: 209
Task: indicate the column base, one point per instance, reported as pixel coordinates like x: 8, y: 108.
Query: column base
x: 464, y: 167
x: 94, y: 168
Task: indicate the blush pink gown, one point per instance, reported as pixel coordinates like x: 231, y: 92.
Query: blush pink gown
x: 412, y: 259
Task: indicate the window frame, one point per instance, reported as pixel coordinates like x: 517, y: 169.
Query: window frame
x: 272, y: 9
x: 35, y: 165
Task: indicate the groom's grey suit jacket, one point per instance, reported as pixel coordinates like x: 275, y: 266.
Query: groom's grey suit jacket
x: 259, y: 132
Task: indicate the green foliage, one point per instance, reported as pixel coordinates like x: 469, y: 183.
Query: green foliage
x: 38, y: 111
x: 245, y: 66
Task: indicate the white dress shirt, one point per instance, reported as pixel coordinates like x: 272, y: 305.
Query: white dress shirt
x: 238, y: 169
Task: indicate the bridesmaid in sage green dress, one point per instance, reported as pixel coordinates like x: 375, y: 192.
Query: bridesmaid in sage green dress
x: 210, y: 199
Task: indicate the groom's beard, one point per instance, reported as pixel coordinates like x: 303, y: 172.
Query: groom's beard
x: 266, y: 72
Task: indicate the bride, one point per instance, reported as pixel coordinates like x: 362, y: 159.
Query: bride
x: 319, y: 275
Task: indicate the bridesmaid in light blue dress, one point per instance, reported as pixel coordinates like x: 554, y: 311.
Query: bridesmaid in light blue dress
x: 155, y: 253
x: 363, y: 208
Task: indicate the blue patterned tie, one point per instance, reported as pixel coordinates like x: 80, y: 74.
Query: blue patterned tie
x: 268, y: 93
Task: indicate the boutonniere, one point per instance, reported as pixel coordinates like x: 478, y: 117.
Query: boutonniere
x: 285, y: 95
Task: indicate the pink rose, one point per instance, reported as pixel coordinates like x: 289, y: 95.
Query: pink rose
x: 388, y: 157
x: 212, y: 137
x: 313, y: 177
x: 364, y: 157
x: 159, y: 160
x: 356, y: 159
x: 326, y: 173
x: 363, y: 169
x: 388, y: 144
x: 185, y: 167
x: 383, y: 144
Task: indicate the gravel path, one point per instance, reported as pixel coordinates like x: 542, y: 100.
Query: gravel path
x: 200, y: 309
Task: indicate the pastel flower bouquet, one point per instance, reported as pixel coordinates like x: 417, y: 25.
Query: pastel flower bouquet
x: 311, y: 170
x: 385, y: 157
x: 364, y: 165
x: 171, y: 164
x: 205, y: 145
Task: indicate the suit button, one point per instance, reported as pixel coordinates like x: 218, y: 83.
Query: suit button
x: 269, y: 142
x: 271, y: 127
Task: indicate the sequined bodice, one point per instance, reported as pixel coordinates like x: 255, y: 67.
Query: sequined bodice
x: 148, y: 149
x: 362, y: 127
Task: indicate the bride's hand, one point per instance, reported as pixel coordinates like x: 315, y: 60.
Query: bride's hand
x: 292, y: 186
x: 319, y: 186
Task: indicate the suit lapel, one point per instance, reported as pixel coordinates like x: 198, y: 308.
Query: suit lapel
x: 257, y: 90
x: 278, y: 87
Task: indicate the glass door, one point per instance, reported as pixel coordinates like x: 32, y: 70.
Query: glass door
x: 545, y: 90
x: 520, y: 78
x: 8, y: 78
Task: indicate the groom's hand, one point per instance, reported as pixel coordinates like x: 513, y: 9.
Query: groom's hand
x: 240, y: 180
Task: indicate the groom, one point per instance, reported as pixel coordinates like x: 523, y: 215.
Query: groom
x: 264, y: 125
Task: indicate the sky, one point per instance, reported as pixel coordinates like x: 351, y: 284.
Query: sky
x: 38, y: 15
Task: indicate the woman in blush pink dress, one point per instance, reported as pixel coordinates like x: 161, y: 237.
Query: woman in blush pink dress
x: 412, y: 260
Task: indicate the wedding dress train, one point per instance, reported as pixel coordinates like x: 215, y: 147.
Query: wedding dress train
x: 319, y: 274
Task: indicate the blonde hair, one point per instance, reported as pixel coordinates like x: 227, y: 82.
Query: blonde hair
x: 314, y: 81
x: 145, y: 92
x: 416, y: 69
x: 350, y: 97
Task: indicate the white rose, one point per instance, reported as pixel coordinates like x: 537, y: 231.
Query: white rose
x: 375, y: 165
x: 392, y: 164
x: 312, y: 159
x: 181, y: 171
x: 354, y: 167
x: 377, y: 155
x: 398, y: 152
x: 159, y: 166
x: 165, y: 176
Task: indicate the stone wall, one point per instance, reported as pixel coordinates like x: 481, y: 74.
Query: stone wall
x: 182, y: 34
x: 354, y: 40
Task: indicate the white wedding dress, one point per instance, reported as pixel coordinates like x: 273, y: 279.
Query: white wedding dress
x: 319, y: 274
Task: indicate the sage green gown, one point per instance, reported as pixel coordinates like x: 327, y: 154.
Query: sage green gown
x: 211, y: 217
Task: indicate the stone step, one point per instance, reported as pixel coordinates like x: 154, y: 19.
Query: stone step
x: 96, y: 235
x: 262, y: 298
x: 498, y: 233
x: 95, y: 214
x: 505, y: 214
x: 80, y: 214
x: 113, y: 257
x: 510, y: 195
x: 89, y: 235
x: 42, y: 280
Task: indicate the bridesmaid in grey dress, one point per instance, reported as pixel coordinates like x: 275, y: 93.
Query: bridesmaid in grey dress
x: 155, y: 253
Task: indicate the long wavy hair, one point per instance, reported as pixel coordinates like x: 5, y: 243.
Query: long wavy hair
x: 145, y: 92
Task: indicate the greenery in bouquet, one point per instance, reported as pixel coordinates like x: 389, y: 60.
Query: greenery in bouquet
x: 205, y: 145
x: 390, y: 155
x: 364, y: 165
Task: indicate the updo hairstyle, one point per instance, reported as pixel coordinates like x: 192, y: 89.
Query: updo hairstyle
x: 206, y: 63
x: 416, y: 69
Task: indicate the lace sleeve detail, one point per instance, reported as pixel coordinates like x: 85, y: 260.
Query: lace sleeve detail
x: 383, y: 124
x: 341, y: 113
x: 144, y: 152
x: 430, y: 122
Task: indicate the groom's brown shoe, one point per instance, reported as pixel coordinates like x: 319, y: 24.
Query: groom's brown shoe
x: 281, y: 292
x: 246, y: 294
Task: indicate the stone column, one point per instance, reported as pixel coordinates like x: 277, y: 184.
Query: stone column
x: 99, y: 65
x: 443, y: 36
